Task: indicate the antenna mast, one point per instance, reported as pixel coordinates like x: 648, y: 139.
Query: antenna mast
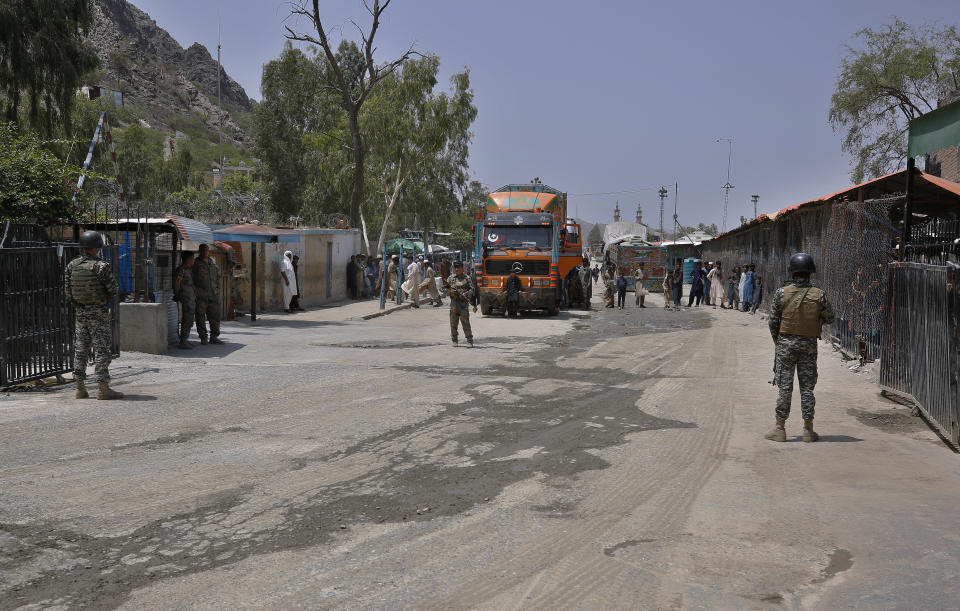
x: 726, y: 188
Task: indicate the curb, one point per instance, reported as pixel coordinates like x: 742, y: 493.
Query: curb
x: 405, y: 306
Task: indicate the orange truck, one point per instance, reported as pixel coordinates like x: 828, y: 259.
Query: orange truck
x: 525, y: 226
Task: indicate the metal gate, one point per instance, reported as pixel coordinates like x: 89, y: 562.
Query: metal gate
x: 920, y: 344
x: 36, y: 321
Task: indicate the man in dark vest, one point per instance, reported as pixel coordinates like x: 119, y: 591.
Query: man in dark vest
x: 183, y: 291
x: 90, y: 287
x: 206, y: 286
x: 797, y: 316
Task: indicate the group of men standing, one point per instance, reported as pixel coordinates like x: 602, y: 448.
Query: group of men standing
x: 196, y: 286
x: 616, y: 280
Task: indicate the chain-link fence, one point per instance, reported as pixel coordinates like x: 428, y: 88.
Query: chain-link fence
x: 851, y: 243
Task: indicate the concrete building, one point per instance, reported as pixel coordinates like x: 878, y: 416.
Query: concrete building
x: 324, y: 254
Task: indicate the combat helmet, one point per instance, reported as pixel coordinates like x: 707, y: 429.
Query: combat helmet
x: 801, y: 263
x: 90, y: 239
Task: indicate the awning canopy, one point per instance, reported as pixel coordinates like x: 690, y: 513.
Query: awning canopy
x: 395, y: 245
x: 251, y: 232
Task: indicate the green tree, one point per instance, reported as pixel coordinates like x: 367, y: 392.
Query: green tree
x: 419, y: 141
x: 139, y: 155
x: 33, y: 185
x: 43, y: 58
x: 897, y: 73
x: 460, y: 239
x: 352, y: 87
x: 292, y: 107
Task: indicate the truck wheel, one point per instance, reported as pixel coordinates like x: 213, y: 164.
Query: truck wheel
x: 485, y: 308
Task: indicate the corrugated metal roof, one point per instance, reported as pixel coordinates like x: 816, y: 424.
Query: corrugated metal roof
x: 251, y: 232
x: 191, y: 229
x: 936, y: 181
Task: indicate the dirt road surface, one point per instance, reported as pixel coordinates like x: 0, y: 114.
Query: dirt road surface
x: 603, y: 460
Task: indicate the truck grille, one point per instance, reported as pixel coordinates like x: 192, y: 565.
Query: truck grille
x: 502, y: 267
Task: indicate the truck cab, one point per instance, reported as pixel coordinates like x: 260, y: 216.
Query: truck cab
x: 525, y: 227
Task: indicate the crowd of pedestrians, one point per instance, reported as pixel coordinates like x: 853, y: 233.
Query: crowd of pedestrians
x: 741, y: 289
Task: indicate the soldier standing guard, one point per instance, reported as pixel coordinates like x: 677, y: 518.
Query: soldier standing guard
x: 206, y: 286
x: 799, y: 312
x: 184, y: 293
x: 460, y: 291
x: 585, y: 275
x: 90, y: 286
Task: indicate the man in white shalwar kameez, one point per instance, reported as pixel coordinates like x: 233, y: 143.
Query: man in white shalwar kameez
x: 717, y: 288
x: 411, y: 284
x: 289, y: 280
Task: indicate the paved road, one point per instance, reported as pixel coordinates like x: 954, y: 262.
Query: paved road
x: 603, y: 460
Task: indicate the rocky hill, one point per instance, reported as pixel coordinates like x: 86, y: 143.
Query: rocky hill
x: 171, y: 87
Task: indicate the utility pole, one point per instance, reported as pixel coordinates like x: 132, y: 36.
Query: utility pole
x: 219, y: 108
x: 663, y: 195
x: 726, y: 187
x: 755, y: 198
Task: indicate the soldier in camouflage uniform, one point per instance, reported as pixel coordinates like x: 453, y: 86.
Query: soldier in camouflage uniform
x: 183, y: 291
x: 460, y: 291
x: 585, y: 274
x: 90, y: 287
x: 799, y: 311
x: 206, y: 287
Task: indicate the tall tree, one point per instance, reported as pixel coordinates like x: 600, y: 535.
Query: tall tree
x: 353, y: 89
x: 898, y: 73
x: 419, y: 140
x: 43, y: 58
x: 292, y: 105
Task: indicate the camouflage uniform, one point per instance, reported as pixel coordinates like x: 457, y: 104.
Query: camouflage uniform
x: 90, y: 286
x: 206, y: 281
x: 586, y: 282
x: 184, y: 291
x: 460, y: 305
x: 796, y: 352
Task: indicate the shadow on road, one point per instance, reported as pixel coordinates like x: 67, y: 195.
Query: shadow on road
x: 838, y: 438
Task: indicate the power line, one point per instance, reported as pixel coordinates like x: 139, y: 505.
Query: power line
x: 623, y: 192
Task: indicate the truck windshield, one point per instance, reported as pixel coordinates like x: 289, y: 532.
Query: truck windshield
x: 518, y: 237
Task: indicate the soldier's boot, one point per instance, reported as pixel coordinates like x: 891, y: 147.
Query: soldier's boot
x: 469, y: 342
x: 779, y: 432
x: 203, y: 341
x: 215, y: 340
x: 185, y: 345
x: 455, y: 342
x: 106, y: 393
x: 809, y: 434
x: 82, y: 390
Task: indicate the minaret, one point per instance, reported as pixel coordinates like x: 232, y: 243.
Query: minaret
x: 639, y: 214
x: 616, y: 213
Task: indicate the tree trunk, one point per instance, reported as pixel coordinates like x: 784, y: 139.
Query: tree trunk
x: 366, y: 240
x: 391, y: 199
x: 358, y: 161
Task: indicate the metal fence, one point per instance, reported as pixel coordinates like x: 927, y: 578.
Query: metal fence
x: 920, y: 341
x: 937, y: 241
x: 851, y: 244
x: 36, y: 326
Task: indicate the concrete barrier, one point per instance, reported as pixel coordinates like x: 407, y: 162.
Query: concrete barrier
x: 143, y: 327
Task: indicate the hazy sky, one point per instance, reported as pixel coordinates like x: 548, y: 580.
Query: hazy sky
x: 612, y: 96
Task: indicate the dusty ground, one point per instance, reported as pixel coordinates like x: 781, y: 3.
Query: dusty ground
x: 610, y: 459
